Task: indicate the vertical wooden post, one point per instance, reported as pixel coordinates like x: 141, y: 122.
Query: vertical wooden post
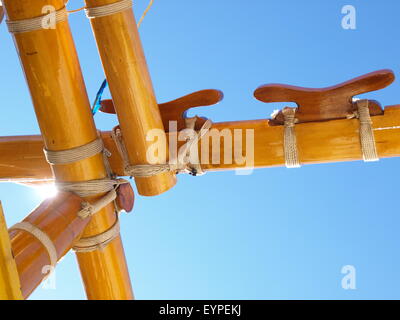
x: 9, y: 280
x: 53, y: 74
x: 131, y: 88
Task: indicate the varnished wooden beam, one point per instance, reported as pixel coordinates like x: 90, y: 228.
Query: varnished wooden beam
x: 131, y: 88
x: 10, y: 287
x: 21, y: 158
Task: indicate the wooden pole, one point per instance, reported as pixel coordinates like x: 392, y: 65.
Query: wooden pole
x: 53, y: 74
x: 10, y: 287
x: 57, y: 217
x: 1, y: 13
x: 318, y: 142
x: 126, y: 70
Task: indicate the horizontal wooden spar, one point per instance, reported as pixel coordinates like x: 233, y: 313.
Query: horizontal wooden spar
x: 22, y: 159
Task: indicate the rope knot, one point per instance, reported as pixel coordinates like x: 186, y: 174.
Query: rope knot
x: 87, y: 210
x: 182, y: 163
x: 289, y: 115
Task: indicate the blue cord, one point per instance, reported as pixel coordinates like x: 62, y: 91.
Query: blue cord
x: 97, y: 102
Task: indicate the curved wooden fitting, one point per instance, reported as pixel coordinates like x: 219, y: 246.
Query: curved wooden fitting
x: 329, y: 103
x: 176, y: 110
x: 125, y: 197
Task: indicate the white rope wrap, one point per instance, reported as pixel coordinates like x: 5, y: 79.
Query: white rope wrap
x: 74, y: 154
x: 37, y: 23
x: 92, y: 188
x: 41, y: 236
x: 367, y: 139
x: 98, y: 241
x: 89, y: 209
x: 289, y: 138
x: 108, y: 9
x: 88, y: 188
x: 183, y: 162
x: 179, y: 165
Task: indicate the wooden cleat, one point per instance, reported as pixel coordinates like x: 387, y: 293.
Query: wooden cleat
x: 328, y: 103
x: 176, y: 110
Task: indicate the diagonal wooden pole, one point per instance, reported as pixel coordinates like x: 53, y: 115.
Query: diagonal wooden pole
x: 55, y: 81
x: 57, y: 219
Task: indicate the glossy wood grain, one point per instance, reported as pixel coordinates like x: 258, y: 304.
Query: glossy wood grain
x: 318, y: 142
x: 57, y: 217
x: 177, y: 109
x: 326, y: 103
x: 10, y: 286
x: 58, y: 92
x: 1, y: 13
x: 131, y: 88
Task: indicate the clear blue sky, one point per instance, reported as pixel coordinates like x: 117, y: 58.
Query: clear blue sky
x: 278, y: 233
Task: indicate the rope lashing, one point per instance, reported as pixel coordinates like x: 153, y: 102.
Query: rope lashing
x: 37, y: 23
x: 108, y: 9
x: 289, y: 138
x: 74, y: 154
x: 98, y: 241
x: 89, y: 209
x: 179, y: 165
x: 41, y: 236
x: 91, y: 188
x: 367, y: 139
x: 184, y: 165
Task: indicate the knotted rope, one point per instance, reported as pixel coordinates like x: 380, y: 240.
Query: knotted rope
x: 367, y: 138
x: 87, y: 189
x: 41, y: 236
x: 181, y: 164
x: 37, y: 23
x: 108, y: 9
x: 289, y: 138
x: 98, y: 241
x: 91, y: 188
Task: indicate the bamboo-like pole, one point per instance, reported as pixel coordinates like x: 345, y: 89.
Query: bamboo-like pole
x: 53, y: 74
x: 1, y: 13
x: 126, y: 70
x: 57, y: 217
x: 10, y: 287
x: 318, y: 142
